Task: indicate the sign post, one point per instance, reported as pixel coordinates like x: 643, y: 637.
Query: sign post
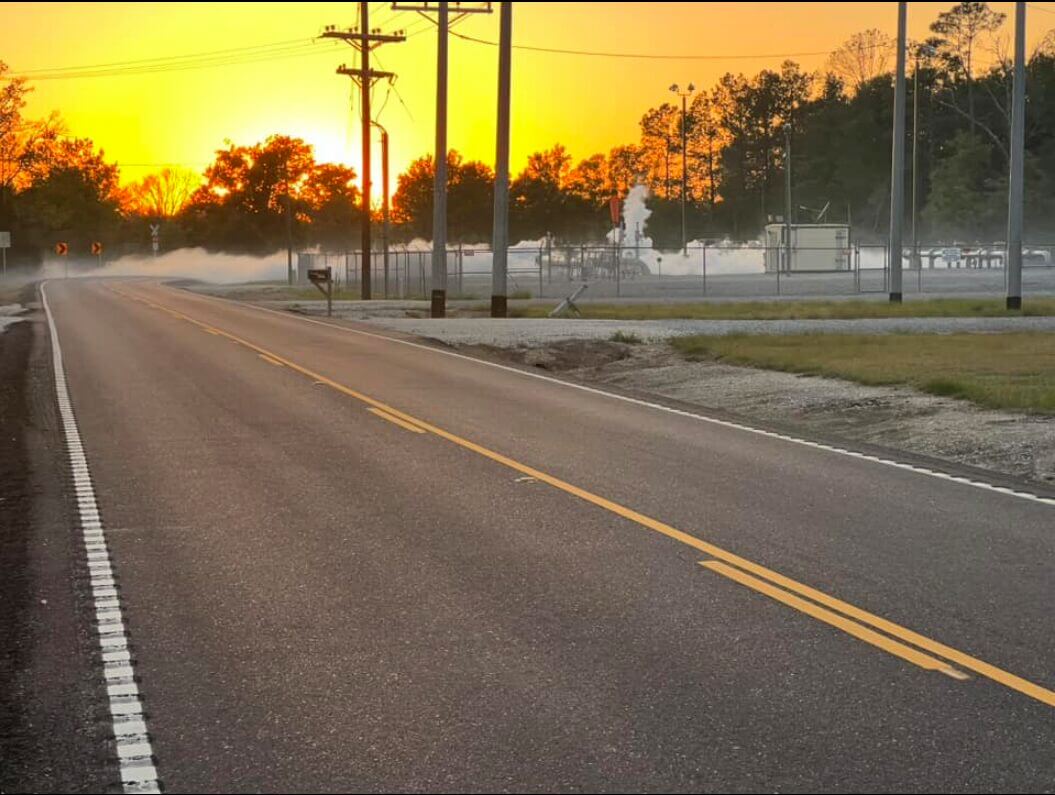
x: 5, y: 244
x: 155, y: 233
x: 62, y: 249
x: 97, y: 250
x: 322, y: 278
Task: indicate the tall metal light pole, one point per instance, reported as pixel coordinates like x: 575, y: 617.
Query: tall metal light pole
x: 923, y: 49
x: 1018, y: 151
x: 684, y: 157
x: 500, y: 235
x: 897, y: 161
x: 666, y: 174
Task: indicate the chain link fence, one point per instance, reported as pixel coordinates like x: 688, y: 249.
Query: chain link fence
x: 700, y: 271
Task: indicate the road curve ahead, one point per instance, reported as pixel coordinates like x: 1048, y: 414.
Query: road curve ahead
x: 346, y: 562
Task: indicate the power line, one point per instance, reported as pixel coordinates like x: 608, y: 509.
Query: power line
x: 165, y: 58
x: 364, y: 39
x: 641, y: 55
x: 293, y: 51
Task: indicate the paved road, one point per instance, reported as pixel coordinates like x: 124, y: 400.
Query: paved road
x: 352, y: 563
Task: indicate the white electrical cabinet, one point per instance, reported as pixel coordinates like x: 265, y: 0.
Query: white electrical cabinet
x: 814, y: 248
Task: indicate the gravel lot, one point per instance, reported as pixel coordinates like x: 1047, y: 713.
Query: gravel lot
x: 541, y: 331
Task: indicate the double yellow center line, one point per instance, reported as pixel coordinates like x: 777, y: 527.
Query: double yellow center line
x: 879, y: 632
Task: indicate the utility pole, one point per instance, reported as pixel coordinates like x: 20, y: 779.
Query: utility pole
x: 384, y: 201
x: 364, y: 40
x: 923, y: 49
x: 666, y: 173
x: 1018, y: 150
x: 916, y: 263
x: 684, y: 158
x: 439, y: 184
x: 787, y: 196
x: 897, y: 164
x: 289, y: 238
x: 500, y: 235
x: 439, y: 178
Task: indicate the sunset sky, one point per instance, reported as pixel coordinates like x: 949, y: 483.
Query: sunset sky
x: 180, y: 116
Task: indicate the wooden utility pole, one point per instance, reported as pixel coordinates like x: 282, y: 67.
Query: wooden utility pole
x: 439, y: 184
x: 364, y: 40
x: 1018, y: 150
x: 500, y: 235
x: 897, y: 161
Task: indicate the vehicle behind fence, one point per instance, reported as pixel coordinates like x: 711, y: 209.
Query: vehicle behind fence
x: 711, y: 271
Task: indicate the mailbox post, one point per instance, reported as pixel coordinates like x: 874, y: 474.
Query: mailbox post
x: 322, y: 278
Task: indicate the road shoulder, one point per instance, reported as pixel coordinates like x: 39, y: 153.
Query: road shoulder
x: 53, y: 735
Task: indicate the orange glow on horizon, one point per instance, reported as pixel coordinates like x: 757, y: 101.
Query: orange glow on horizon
x: 589, y: 104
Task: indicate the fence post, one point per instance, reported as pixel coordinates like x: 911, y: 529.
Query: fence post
x: 704, y: 249
x: 540, y: 287
x: 779, y: 269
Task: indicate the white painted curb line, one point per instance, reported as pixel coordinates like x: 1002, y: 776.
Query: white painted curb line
x: 135, y: 755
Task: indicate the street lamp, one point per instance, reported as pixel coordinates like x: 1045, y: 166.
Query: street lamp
x: 684, y: 158
x: 929, y: 52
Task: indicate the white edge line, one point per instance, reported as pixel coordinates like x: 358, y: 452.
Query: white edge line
x: 919, y: 470
x: 135, y: 755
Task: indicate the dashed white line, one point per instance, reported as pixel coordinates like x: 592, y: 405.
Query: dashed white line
x: 135, y: 755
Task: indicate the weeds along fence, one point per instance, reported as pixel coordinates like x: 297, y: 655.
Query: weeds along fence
x: 712, y: 271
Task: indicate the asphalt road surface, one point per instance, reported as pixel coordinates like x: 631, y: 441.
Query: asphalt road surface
x: 351, y: 562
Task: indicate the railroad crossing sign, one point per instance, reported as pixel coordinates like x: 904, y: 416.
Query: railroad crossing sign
x: 97, y: 248
x: 62, y: 249
x: 155, y: 232
x: 323, y: 279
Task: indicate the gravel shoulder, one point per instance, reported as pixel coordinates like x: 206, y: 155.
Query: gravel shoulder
x: 539, y: 331
x: 1019, y: 445
x: 54, y: 734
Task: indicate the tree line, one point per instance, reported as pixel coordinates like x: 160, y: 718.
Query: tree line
x: 837, y: 120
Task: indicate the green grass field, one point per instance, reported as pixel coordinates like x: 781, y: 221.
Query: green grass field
x: 1004, y: 371
x: 791, y: 310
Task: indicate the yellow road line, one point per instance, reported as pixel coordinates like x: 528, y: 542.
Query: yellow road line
x: 834, y: 619
x: 962, y: 659
x: 270, y: 360
x: 395, y: 420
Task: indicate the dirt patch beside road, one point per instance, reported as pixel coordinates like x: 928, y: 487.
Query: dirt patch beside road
x: 899, y: 418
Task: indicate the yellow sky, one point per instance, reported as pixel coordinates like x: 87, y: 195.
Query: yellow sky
x: 587, y: 103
